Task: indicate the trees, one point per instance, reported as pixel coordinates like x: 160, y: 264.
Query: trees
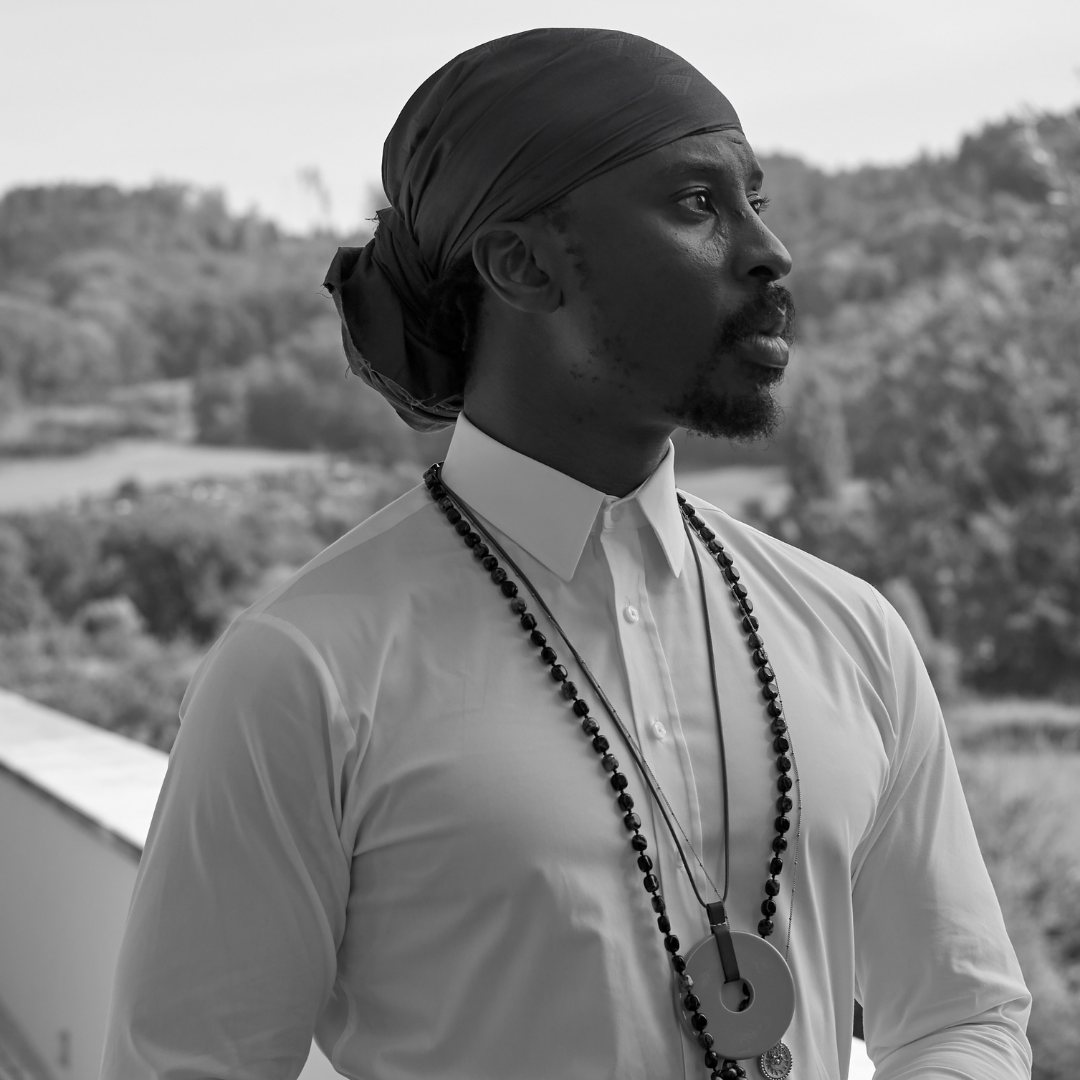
x: 957, y: 394
x: 971, y: 440
x: 297, y: 398
x: 933, y: 434
x: 46, y: 354
x: 21, y: 601
x: 99, y: 285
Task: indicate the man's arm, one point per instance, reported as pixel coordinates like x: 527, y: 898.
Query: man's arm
x: 941, y: 988
x: 229, y: 953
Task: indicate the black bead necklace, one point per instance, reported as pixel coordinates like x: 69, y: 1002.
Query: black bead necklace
x: 776, y: 1062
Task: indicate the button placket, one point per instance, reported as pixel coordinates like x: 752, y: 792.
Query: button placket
x: 639, y: 662
x: 653, y: 711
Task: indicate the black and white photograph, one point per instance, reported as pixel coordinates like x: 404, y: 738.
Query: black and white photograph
x: 539, y: 541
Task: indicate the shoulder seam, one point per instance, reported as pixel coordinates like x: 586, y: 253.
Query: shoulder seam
x: 307, y: 647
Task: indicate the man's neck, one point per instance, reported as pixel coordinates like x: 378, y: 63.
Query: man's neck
x: 611, y: 462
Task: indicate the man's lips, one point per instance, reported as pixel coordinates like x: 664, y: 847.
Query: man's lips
x: 767, y: 346
x: 766, y: 350
x: 762, y: 331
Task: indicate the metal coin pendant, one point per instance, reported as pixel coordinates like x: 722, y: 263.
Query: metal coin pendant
x: 748, y: 1016
x: 775, y: 1063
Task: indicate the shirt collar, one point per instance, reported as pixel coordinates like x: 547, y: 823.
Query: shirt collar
x: 546, y: 512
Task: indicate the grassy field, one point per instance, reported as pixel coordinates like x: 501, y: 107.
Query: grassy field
x: 1020, y: 767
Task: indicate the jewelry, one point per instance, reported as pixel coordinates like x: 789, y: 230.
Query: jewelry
x: 776, y: 1063
x: 766, y: 1010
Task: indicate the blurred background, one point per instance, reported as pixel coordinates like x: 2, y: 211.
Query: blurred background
x: 177, y: 433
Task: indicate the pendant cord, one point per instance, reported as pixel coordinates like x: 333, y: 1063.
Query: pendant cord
x: 798, y: 836
x: 723, y: 759
x: 716, y: 704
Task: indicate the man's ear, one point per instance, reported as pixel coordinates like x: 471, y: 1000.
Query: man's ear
x: 520, y: 265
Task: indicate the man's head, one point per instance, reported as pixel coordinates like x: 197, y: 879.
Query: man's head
x: 574, y: 209
x: 648, y: 298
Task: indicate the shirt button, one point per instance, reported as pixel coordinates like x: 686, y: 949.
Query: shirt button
x: 658, y: 730
x: 616, y: 513
x: 630, y: 613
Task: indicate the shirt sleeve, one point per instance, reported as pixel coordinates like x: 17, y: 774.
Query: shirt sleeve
x: 941, y: 988
x: 228, y: 956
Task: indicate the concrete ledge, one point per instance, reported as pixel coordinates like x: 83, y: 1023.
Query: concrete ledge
x: 108, y: 781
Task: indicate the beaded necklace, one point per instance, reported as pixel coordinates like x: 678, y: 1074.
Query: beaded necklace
x: 746, y: 1031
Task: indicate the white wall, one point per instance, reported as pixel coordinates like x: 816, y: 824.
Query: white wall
x: 64, y: 894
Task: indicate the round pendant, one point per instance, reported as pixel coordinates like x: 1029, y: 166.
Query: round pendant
x: 775, y: 1063
x: 748, y: 1016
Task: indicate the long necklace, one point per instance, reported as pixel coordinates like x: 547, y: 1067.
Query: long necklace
x: 744, y: 962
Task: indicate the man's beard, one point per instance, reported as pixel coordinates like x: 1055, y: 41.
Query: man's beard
x: 740, y: 416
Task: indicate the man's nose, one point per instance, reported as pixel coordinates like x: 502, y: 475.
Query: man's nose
x: 764, y: 257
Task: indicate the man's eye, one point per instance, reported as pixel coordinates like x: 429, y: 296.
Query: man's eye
x: 698, y: 201
x: 759, y: 202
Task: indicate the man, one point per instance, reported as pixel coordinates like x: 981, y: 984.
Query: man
x: 386, y: 823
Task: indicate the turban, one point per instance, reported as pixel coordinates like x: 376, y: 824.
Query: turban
x: 499, y: 132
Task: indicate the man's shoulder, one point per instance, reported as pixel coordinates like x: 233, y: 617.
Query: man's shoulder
x: 392, y: 552
x: 337, y: 610
x: 834, y: 595
x: 759, y: 544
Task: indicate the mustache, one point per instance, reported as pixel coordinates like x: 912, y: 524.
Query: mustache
x: 763, y: 313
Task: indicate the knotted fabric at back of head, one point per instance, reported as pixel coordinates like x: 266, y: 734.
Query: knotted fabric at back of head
x: 499, y: 132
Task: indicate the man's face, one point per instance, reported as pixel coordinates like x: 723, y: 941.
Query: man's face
x: 674, y: 301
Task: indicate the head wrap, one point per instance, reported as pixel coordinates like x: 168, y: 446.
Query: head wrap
x: 497, y: 133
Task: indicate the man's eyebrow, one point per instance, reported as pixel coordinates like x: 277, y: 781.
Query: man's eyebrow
x: 677, y: 169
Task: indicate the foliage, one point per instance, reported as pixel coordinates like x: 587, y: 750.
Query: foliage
x: 101, y: 289
x: 296, y: 398
x: 21, y: 602
x: 935, y: 436
x: 934, y: 403
x: 179, y: 566
x: 106, y: 608
x: 39, y: 224
x: 100, y: 286
x: 125, y: 681
x: 45, y: 351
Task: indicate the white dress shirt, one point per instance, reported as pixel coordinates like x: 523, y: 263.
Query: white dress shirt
x: 383, y: 825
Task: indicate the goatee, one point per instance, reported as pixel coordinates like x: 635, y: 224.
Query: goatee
x: 755, y: 413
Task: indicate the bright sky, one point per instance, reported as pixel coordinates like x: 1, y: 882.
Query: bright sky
x: 252, y: 96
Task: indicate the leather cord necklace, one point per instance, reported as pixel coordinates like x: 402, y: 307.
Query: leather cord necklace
x: 744, y: 962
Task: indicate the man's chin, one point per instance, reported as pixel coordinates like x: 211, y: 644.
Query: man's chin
x: 744, y: 417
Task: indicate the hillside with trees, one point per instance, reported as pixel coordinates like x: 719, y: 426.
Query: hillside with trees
x: 935, y: 428
x: 103, y: 290
x: 932, y: 440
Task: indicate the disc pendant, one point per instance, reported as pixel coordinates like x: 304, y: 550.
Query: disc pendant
x: 775, y: 1063
x: 747, y: 1017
